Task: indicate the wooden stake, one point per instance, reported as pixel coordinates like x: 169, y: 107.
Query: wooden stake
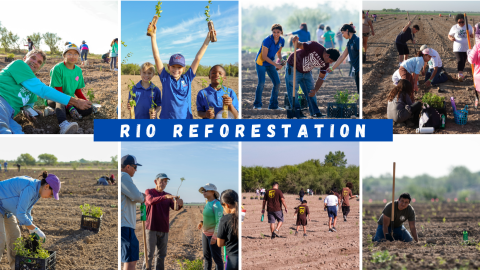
x: 392, y: 218
x: 145, y: 245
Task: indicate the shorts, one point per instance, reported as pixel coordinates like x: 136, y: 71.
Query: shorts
x: 275, y: 216
x: 332, y: 211
x: 402, y: 49
x: 302, y: 222
x: 366, y: 34
x: 130, y: 245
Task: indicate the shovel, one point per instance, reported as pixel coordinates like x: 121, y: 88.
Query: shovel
x: 392, y: 218
x: 292, y: 112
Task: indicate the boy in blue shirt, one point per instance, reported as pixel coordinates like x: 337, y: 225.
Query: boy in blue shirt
x: 176, y: 88
x: 146, y: 94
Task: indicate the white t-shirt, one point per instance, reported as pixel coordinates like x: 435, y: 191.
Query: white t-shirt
x: 396, y: 77
x: 331, y: 200
x: 319, y: 35
x: 460, y: 34
x: 436, y: 61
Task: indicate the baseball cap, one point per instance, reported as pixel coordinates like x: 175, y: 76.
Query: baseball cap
x: 54, y: 183
x: 162, y: 176
x: 177, y: 59
x: 426, y: 51
x: 69, y: 47
x: 208, y: 187
x: 129, y: 160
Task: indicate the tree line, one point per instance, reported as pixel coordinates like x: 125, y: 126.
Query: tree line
x: 52, y: 160
x: 12, y: 42
x: 312, y: 174
x: 202, y: 70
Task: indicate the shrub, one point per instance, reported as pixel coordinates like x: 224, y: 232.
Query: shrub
x: 11, y: 55
x: 190, y: 265
x: 20, y: 247
x: 93, y: 211
x: 433, y: 100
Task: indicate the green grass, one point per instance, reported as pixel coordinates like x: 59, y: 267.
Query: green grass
x: 190, y: 265
x: 381, y: 257
x: 444, y: 13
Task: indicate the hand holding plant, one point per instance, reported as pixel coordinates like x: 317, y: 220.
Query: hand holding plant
x: 131, y: 103
x: 152, y: 26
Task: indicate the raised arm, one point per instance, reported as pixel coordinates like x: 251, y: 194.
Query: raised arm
x: 406, y: 26
x: 156, y: 54
x: 200, y: 53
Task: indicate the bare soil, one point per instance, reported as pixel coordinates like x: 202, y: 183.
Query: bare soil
x: 98, y: 78
x: 445, y: 248
x: 196, y: 87
x: 382, y: 62
x: 60, y: 220
x: 336, y: 81
x: 319, y: 250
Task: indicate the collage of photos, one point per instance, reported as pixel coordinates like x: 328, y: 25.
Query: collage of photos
x: 94, y: 200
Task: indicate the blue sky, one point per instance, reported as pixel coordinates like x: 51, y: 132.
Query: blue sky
x: 461, y: 6
x: 276, y: 154
x: 199, y: 163
x: 180, y: 29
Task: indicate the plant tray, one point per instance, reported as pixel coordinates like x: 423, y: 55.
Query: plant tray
x: 442, y: 110
x: 91, y: 223
x: 337, y: 110
x: 302, y: 100
x: 8, y: 60
x: 25, y: 263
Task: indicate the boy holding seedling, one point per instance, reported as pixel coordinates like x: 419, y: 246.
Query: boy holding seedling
x: 147, y: 96
x: 216, y: 95
x: 303, y: 214
x: 177, y: 88
x: 274, y: 200
x: 67, y: 78
x: 331, y: 204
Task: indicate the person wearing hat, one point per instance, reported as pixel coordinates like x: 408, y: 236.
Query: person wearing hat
x: 320, y: 32
x: 84, y: 52
x: 274, y: 200
x: 114, y: 54
x: 177, y: 88
x: 17, y: 197
x: 353, y: 51
x: 158, y: 204
x: 410, y: 69
x: 19, y: 89
x: 67, y: 78
x: 130, y: 197
x: 432, y: 69
x: 212, y: 214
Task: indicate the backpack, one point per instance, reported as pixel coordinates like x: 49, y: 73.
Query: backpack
x: 431, y: 116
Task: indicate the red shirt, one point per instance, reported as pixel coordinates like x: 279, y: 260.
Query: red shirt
x: 158, y: 210
x: 310, y: 57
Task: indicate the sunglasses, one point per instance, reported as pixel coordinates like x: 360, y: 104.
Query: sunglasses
x: 461, y: 22
x: 134, y: 166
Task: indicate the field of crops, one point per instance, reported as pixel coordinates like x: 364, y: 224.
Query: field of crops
x: 441, y: 246
x: 382, y: 62
x: 319, y: 250
x: 60, y: 220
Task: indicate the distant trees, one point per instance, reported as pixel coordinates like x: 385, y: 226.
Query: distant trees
x: 48, y: 159
x: 338, y: 159
x: 26, y: 159
x: 51, y: 39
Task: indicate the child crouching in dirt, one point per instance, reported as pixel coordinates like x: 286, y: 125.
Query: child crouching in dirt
x: 177, y: 88
x: 228, y: 228
x: 147, y: 95
x: 400, y: 106
x: 303, y: 214
x: 216, y: 95
x: 67, y: 78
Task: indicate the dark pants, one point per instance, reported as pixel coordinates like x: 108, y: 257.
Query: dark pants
x: 416, y: 109
x: 301, y: 199
x: 439, y: 78
x: 345, y: 210
x: 209, y: 252
x: 232, y: 262
x: 61, y: 111
x: 357, y: 82
x: 157, y: 249
x: 461, y: 59
x: 113, y: 62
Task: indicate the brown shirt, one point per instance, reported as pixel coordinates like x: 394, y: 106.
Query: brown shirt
x: 302, y: 212
x: 400, y: 216
x: 346, y: 194
x: 273, y: 197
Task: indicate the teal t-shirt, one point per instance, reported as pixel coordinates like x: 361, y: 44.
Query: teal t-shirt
x: 329, y: 36
x: 212, y: 213
x: 69, y: 79
x: 11, y: 89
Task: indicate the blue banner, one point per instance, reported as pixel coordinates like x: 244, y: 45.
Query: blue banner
x: 268, y: 130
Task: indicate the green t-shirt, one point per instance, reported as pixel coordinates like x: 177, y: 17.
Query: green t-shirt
x: 211, y: 217
x: 329, y: 36
x: 69, y: 79
x: 11, y: 89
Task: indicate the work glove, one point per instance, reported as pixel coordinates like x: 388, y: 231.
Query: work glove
x: 74, y: 113
x: 39, y: 233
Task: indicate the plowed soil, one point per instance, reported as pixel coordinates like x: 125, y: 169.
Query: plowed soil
x: 196, y: 87
x: 445, y: 248
x: 382, y: 62
x: 98, y: 78
x: 335, y: 81
x: 319, y: 250
x: 60, y: 220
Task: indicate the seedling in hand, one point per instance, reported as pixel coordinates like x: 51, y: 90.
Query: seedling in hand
x: 158, y: 11
x: 132, y: 100
x: 211, y: 28
x: 207, y: 11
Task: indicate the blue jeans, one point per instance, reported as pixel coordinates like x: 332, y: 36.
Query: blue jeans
x: 438, y: 78
x: 273, y: 74
x: 84, y: 55
x: 329, y: 44
x: 304, y: 80
x: 301, y: 199
x: 399, y: 233
x: 340, y: 44
x: 7, y: 124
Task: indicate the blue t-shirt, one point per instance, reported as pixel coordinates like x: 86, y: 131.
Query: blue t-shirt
x: 143, y: 98
x: 273, y: 48
x: 84, y: 47
x: 177, y: 96
x: 214, y: 98
x: 353, y: 47
x: 303, y: 36
x: 413, y: 65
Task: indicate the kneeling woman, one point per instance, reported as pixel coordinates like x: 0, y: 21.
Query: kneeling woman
x: 400, y: 107
x: 17, y: 197
x: 414, y: 66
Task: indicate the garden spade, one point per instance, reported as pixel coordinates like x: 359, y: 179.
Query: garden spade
x: 143, y: 218
x: 392, y: 218
x: 292, y: 112
x: 472, y: 65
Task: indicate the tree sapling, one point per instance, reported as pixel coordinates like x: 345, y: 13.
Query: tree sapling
x: 211, y: 28
x: 132, y: 100
x: 158, y: 11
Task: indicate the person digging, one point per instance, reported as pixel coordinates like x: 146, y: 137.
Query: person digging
x: 274, y: 200
x: 403, y: 211
x: 401, y: 41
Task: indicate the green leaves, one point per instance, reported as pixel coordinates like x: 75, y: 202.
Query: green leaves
x: 433, y: 100
x: 343, y: 97
x: 158, y: 9
x: 207, y: 11
x: 93, y: 211
x: 90, y: 95
x: 21, y: 250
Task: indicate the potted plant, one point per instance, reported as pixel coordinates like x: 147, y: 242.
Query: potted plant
x: 211, y: 28
x: 158, y: 11
x: 225, y: 114
x: 345, y: 105
x: 132, y: 100
x: 10, y: 57
x: 436, y: 102
x: 91, y: 217
x: 251, y: 198
x: 320, y: 198
x: 29, y: 254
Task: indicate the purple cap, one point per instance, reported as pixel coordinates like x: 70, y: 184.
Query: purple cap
x: 54, y: 183
x: 177, y: 59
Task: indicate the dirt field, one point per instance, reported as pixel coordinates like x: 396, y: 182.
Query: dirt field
x: 320, y: 250
x: 336, y: 81
x: 97, y: 76
x: 447, y: 253
x: 382, y: 61
x: 60, y: 220
x: 196, y: 87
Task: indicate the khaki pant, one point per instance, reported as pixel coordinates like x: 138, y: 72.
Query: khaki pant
x: 9, y: 232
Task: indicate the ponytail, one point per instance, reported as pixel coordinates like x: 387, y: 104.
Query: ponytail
x: 419, y: 54
x: 230, y: 197
x: 43, y: 178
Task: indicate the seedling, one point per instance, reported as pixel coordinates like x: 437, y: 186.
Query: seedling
x: 444, y: 220
x: 93, y: 211
x: 381, y: 257
x: 90, y: 95
x: 153, y: 105
x: 158, y: 11
x: 343, y: 97
x: 225, y: 90
x: 207, y: 11
x: 11, y: 55
x: 20, y: 248
x: 433, y: 100
x: 181, y: 181
x: 211, y: 28
x: 98, y: 189
x: 132, y: 99
x: 204, y: 83
x: 263, y: 236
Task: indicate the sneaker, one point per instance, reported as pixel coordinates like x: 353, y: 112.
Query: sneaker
x: 330, y: 230
x: 275, y: 233
x: 278, y: 109
x: 304, y: 235
x: 345, y: 219
x: 273, y: 236
x: 333, y: 229
x: 296, y: 233
x: 68, y: 128
x: 318, y: 115
x: 257, y: 108
x: 115, y: 69
x: 460, y: 77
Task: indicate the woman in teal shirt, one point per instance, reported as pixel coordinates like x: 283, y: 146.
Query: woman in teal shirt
x: 114, y: 55
x: 329, y: 37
